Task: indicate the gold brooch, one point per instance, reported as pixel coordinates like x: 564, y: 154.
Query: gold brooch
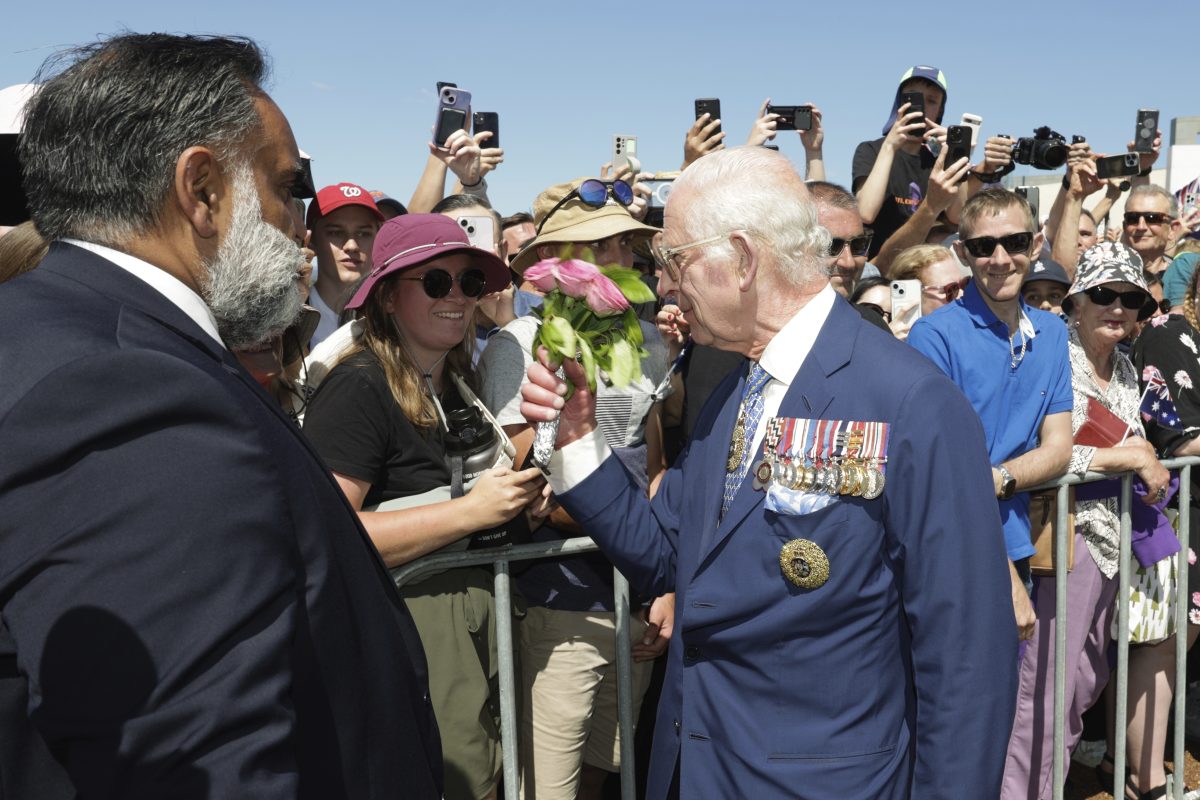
x: 804, y: 563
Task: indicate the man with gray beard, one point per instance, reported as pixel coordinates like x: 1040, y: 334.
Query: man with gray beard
x: 188, y: 607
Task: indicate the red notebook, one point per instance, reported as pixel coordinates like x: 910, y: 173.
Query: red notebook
x: 1102, y: 428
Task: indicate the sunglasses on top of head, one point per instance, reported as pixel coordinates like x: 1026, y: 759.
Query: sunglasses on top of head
x: 437, y: 283
x: 595, y: 193
x: 985, y: 246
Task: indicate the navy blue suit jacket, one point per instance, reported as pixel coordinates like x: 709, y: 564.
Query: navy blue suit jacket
x: 897, y: 677
x: 193, y: 604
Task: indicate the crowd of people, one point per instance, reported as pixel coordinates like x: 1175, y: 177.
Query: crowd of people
x: 233, y: 400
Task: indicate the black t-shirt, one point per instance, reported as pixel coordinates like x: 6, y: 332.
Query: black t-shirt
x: 360, y: 431
x: 905, y: 189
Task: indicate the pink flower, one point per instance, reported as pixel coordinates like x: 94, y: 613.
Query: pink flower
x: 1196, y: 598
x: 605, y: 297
x: 543, y: 274
x: 1191, y: 556
x: 575, y: 277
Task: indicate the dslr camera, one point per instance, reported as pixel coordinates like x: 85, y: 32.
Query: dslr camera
x: 1046, y: 149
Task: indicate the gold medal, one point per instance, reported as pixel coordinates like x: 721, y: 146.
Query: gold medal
x: 808, y: 477
x: 849, y: 479
x: 804, y: 563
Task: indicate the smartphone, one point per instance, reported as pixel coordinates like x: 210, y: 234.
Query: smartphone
x: 443, y: 84
x: 1147, y: 129
x: 454, y: 105
x: 906, y: 301
x: 624, y: 156
x: 481, y: 231
x: 958, y: 144
x: 487, y: 121
x: 974, y: 122
x: 792, y: 118
x: 1033, y: 196
x: 710, y: 106
x: 915, y: 100
x: 1118, y: 166
x: 660, y: 190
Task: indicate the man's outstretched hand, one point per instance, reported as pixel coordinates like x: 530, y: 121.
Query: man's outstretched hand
x: 542, y: 399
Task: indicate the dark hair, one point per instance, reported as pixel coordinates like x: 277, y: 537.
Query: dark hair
x: 102, y: 136
x: 519, y: 218
x: 460, y: 202
x: 832, y: 195
x: 865, y: 285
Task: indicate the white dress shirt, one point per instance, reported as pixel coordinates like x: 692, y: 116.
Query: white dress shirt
x: 162, y: 282
x: 781, y: 358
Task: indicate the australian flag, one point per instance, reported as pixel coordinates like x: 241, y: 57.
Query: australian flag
x: 1156, y: 401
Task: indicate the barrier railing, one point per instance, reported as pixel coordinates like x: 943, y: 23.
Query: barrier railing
x: 1175, y: 787
x: 500, y: 558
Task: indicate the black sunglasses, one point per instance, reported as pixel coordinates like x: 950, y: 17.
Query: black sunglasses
x: 858, y: 245
x: 1133, y: 299
x: 437, y: 283
x: 1151, y: 217
x: 595, y: 193
x: 984, y: 246
x: 887, y: 317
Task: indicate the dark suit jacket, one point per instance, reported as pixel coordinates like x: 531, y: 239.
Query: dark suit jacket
x: 193, y: 603
x: 897, y: 677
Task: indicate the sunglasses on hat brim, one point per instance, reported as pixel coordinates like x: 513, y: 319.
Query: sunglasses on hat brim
x: 593, y: 193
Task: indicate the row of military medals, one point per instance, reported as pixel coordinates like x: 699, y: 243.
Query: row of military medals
x: 822, y: 456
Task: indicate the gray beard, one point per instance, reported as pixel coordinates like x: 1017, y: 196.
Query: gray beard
x: 252, y: 284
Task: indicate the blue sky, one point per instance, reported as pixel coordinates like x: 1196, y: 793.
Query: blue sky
x: 356, y: 79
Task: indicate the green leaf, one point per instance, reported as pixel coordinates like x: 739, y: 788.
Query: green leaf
x: 630, y: 282
x: 558, y: 337
x: 632, y: 327
x: 589, y: 362
x: 623, y: 367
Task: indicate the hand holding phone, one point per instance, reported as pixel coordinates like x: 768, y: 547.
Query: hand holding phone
x: 624, y: 157
x: 712, y: 107
x: 792, y: 118
x: 958, y: 144
x: 489, y: 122
x: 454, y: 104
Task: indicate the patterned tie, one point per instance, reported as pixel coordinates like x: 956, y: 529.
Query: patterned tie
x: 747, y: 423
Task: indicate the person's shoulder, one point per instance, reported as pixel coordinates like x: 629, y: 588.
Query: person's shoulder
x: 943, y: 320
x: 1165, y: 328
x: 869, y: 146
x: 523, y: 329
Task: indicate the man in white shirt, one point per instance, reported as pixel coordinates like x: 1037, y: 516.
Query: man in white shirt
x: 841, y: 627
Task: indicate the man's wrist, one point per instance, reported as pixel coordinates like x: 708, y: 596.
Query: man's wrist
x: 1008, y: 484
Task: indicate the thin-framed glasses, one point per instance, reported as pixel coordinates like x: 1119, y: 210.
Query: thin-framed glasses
x: 668, y: 257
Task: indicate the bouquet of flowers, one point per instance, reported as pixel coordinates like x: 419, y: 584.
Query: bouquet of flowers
x: 587, y: 314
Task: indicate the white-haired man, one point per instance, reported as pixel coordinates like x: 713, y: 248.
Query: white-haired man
x: 842, y: 626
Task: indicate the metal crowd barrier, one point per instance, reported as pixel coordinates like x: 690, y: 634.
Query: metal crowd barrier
x: 500, y: 558
x: 1175, y: 786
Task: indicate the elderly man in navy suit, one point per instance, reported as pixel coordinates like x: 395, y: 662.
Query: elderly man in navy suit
x: 190, y: 607
x: 843, y: 627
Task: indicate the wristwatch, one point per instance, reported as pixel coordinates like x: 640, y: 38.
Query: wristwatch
x: 1008, y: 484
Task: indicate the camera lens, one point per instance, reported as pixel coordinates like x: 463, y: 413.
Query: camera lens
x: 451, y: 98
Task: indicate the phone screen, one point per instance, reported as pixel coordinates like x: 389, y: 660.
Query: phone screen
x: 449, y: 121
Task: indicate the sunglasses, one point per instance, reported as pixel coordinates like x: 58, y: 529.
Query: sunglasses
x: 858, y: 245
x: 887, y: 317
x: 595, y: 193
x: 1152, y: 217
x: 437, y: 283
x: 950, y: 291
x: 984, y: 246
x: 1133, y: 300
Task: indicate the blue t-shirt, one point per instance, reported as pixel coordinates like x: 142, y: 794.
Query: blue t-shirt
x: 967, y: 342
x: 1178, y: 275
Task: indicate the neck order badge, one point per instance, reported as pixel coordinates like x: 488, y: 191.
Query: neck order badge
x: 748, y: 416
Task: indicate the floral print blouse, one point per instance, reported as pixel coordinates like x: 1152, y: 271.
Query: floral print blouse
x: 1097, y: 520
x: 1173, y: 346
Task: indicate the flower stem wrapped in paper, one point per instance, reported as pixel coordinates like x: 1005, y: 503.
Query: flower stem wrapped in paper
x: 587, y: 315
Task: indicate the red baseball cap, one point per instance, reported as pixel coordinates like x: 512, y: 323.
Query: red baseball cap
x: 410, y: 240
x: 334, y: 197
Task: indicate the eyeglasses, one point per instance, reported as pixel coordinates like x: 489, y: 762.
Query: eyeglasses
x: 668, y: 257
x: 1133, y: 300
x: 595, y: 193
x: 858, y: 245
x: 1152, y: 217
x: 437, y: 283
x: 950, y: 291
x: 887, y: 317
x: 984, y: 246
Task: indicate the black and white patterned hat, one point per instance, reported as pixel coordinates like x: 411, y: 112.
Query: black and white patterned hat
x: 1109, y: 262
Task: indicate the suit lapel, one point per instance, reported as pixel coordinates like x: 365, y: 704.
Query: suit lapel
x: 809, y: 395
x: 716, y: 451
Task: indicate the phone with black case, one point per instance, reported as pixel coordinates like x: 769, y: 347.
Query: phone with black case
x: 958, y: 144
x: 792, y: 118
x: 1147, y: 129
x: 453, y: 106
x: 710, y: 106
x: 1119, y: 166
x: 487, y: 121
x: 915, y: 100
